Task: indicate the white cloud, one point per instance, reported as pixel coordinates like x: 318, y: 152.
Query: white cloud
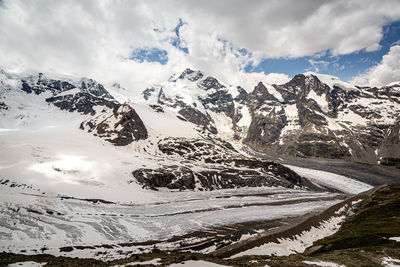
x: 96, y: 38
x: 387, y: 71
x: 318, y: 64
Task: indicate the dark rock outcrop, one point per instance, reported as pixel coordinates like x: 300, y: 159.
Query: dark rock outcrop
x: 120, y: 126
x: 40, y: 84
x: 218, y: 166
x: 178, y: 178
x: 210, y: 83
x: 191, y: 75
x: 222, y: 177
x: 3, y: 106
x: 197, y: 117
x: 314, y: 120
x: 81, y: 102
x: 94, y: 88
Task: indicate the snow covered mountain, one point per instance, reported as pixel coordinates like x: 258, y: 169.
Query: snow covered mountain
x: 189, y: 154
x: 194, y: 129
x: 84, y: 173
x: 313, y: 115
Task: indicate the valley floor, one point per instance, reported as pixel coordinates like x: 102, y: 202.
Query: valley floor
x: 64, y: 195
x: 368, y: 237
x: 33, y: 223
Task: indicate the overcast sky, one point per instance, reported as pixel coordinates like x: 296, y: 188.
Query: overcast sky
x: 139, y: 43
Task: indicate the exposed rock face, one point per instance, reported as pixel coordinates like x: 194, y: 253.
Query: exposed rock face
x: 214, y: 164
x: 189, y: 112
x: 209, y: 151
x: 305, y: 117
x: 175, y: 178
x: 148, y: 93
x: 3, y: 106
x: 81, y: 102
x: 312, y: 115
x: 224, y: 178
x: 195, y: 116
x: 197, y: 98
x: 40, y: 84
x: 115, y: 122
x: 191, y: 75
x: 120, y: 126
x: 210, y: 83
x: 94, y: 88
x: 157, y: 108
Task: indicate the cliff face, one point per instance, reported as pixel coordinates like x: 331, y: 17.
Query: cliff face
x: 312, y: 115
x: 312, y: 119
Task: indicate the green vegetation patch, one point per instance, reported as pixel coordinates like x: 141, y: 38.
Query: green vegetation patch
x: 375, y: 220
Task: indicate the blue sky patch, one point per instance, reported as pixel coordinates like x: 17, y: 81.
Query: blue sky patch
x: 343, y: 66
x: 177, y: 41
x: 150, y: 55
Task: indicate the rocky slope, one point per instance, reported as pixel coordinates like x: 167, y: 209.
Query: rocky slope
x: 87, y: 175
x: 214, y: 164
x: 120, y: 126
x: 116, y: 122
x: 204, y: 161
x: 312, y: 115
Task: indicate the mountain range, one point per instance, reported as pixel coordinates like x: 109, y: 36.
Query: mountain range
x: 311, y: 116
x: 87, y: 171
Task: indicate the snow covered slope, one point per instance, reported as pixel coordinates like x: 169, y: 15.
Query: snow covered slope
x: 211, y: 105
x: 83, y: 172
x: 313, y: 115
x: 321, y: 116
x: 62, y: 135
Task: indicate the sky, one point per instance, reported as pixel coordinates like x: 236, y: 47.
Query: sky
x: 140, y: 43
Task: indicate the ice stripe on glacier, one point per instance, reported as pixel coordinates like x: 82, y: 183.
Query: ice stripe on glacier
x: 331, y: 180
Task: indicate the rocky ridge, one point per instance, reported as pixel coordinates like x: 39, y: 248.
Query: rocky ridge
x: 117, y: 123
x: 312, y: 115
x: 204, y: 163
x: 214, y: 164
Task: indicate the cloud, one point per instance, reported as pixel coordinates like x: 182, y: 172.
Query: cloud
x: 295, y: 28
x: 318, y: 64
x: 387, y: 71
x: 97, y: 38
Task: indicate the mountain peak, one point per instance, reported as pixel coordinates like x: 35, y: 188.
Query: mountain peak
x: 331, y: 80
x: 93, y: 87
x: 191, y: 75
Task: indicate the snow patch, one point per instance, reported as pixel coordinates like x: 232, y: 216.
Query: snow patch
x: 332, y: 81
x: 348, y: 116
x: 331, y: 180
x: 390, y: 262
x: 324, y: 263
x: 292, y: 120
x: 27, y: 263
x: 246, y: 117
x: 196, y: 264
x: 149, y: 262
x: 320, y: 99
x: 274, y: 92
x: 298, y: 243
